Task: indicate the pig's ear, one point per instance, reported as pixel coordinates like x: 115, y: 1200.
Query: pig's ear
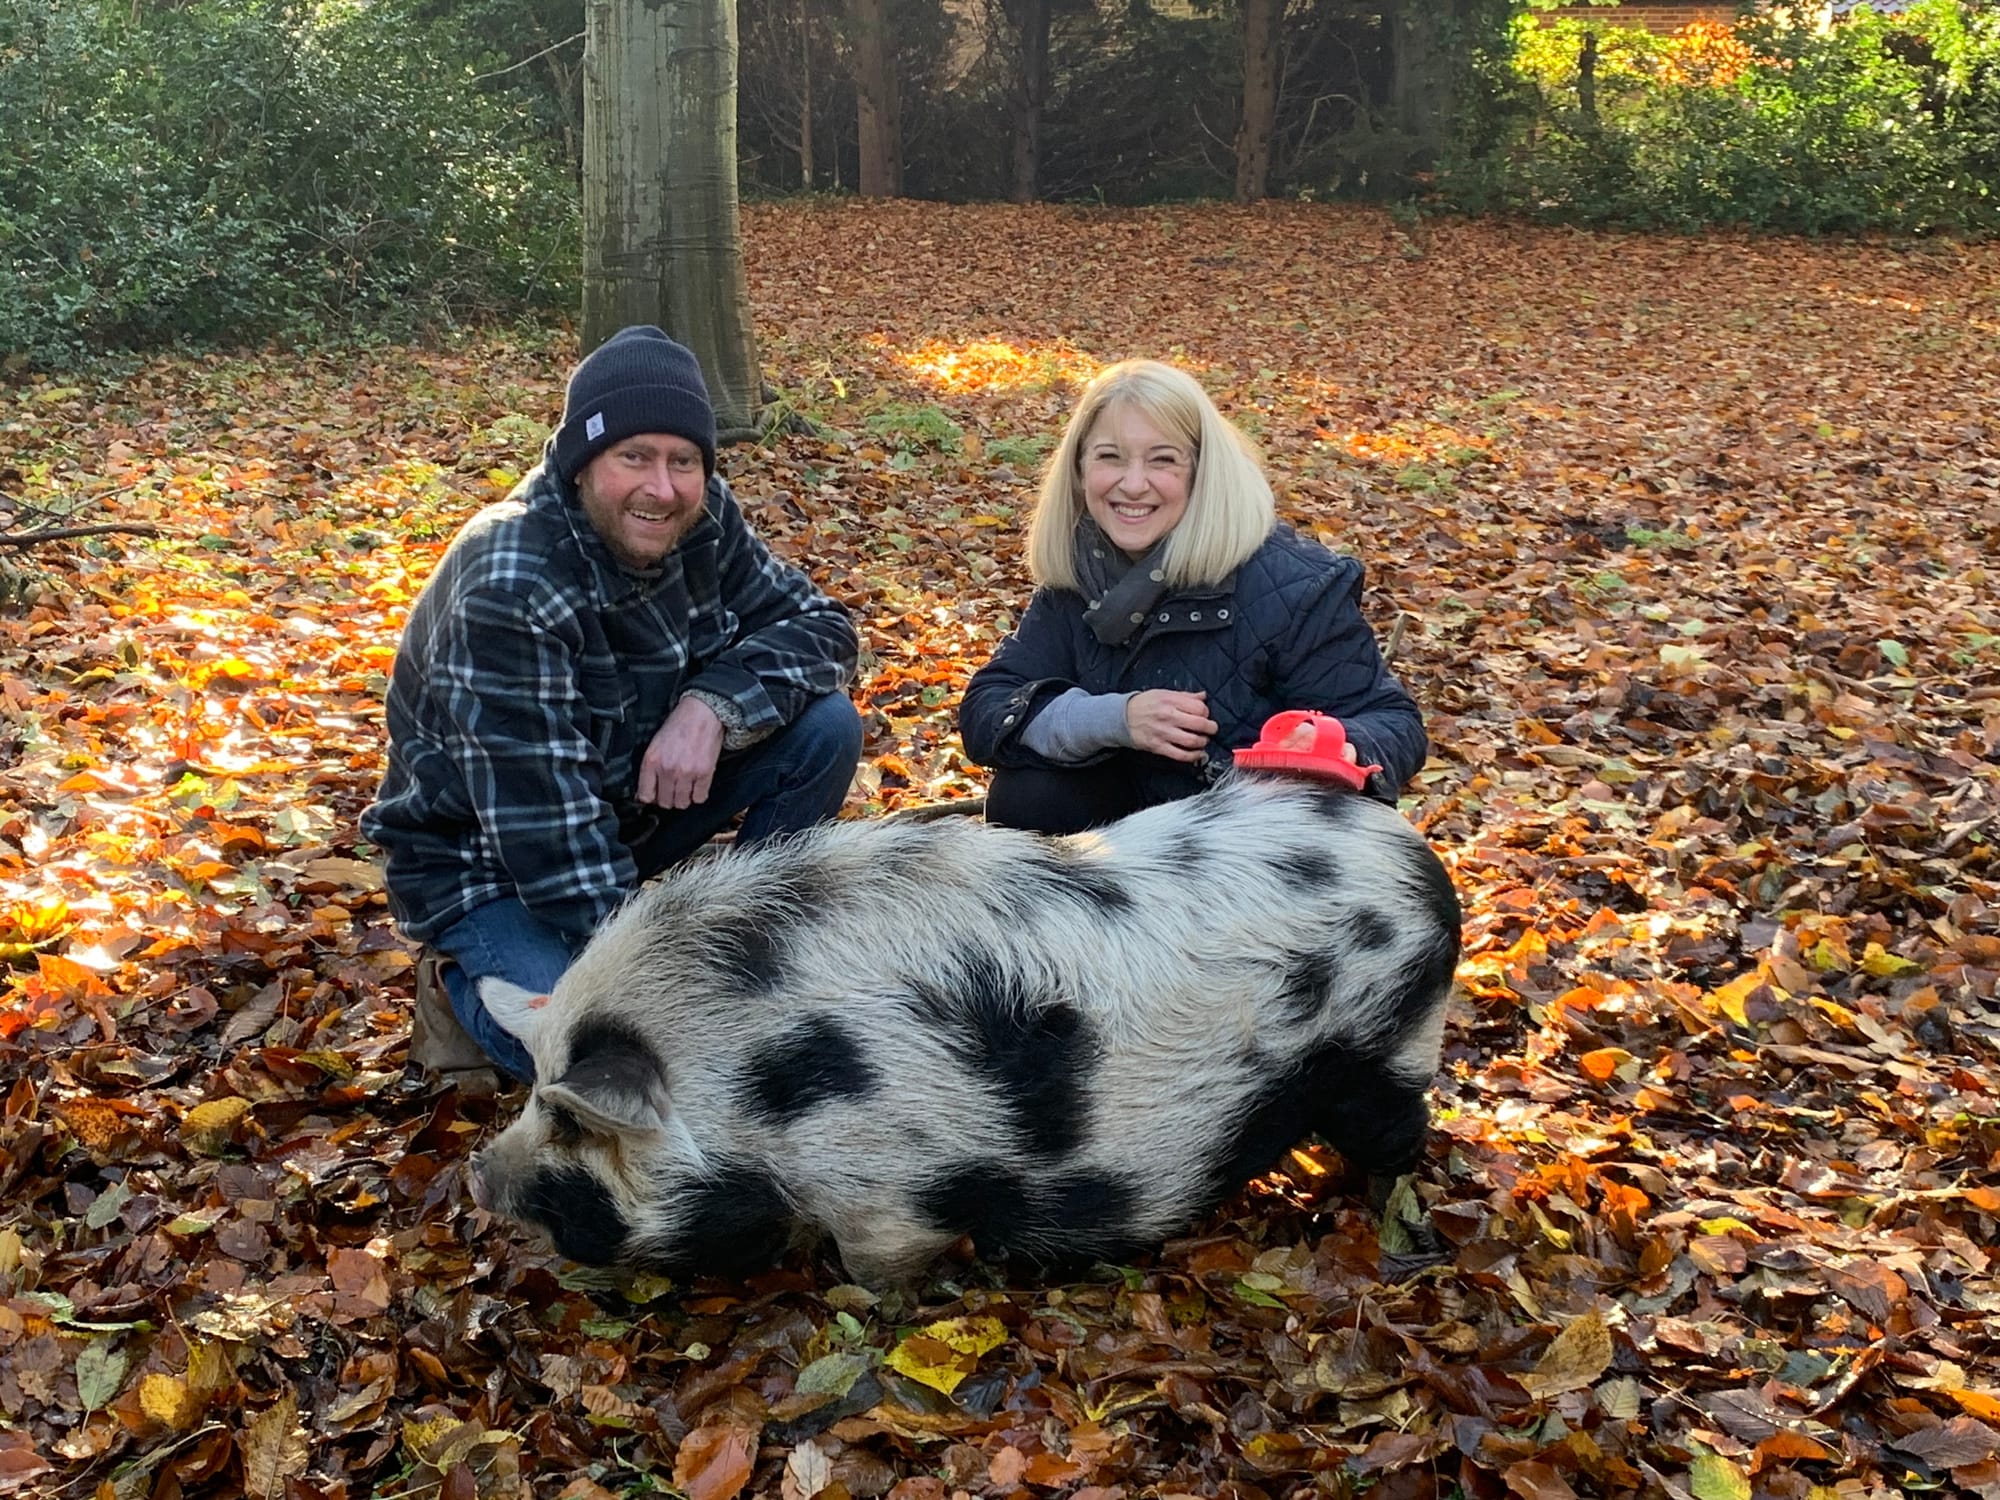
x: 516, y: 1009
x: 614, y: 1081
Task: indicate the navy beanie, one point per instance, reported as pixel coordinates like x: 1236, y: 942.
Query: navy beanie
x: 638, y: 380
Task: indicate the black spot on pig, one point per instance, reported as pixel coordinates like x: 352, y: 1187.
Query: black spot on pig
x: 1186, y: 854
x: 752, y: 946
x: 734, y: 1222
x: 1078, y: 1215
x: 1337, y: 805
x: 1098, y: 889
x: 1089, y: 1207
x: 1035, y: 1050
x: 578, y: 1212
x: 802, y: 893
x: 1308, y: 982
x: 982, y: 1199
x: 1306, y: 869
x: 1371, y: 931
x: 748, y: 948
x: 812, y: 1064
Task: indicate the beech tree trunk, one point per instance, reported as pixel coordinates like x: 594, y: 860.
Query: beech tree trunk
x: 1030, y: 19
x: 879, y: 112
x: 805, y: 98
x: 1263, y: 25
x: 662, y: 241
x: 1421, y: 91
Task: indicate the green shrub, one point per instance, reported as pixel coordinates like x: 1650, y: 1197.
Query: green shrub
x: 1877, y: 123
x: 237, y: 167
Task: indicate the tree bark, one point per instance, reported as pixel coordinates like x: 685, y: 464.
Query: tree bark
x: 1586, y: 77
x: 879, y: 112
x: 1421, y: 97
x: 1263, y: 26
x: 662, y: 241
x: 805, y: 98
x: 1030, y: 20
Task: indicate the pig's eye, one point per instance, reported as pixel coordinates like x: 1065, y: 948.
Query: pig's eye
x: 564, y: 1126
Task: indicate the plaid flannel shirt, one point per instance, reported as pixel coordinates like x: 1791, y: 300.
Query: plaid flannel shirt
x: 532, y: 675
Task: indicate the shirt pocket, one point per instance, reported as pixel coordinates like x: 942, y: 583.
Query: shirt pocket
x: 611, y: 698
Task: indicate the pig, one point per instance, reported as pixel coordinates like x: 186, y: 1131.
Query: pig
x: 894, y: 1035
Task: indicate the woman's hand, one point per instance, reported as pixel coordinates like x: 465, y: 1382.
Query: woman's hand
x: 1167, y: 723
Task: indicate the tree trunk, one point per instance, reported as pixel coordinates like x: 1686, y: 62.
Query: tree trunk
x: 661, y: 239
x: 879, y: 115
x: 1030, y: 19
x: 1421, y: 98
x: 805, y: 98
x: 1586, y: 77
x: 1263, y: 26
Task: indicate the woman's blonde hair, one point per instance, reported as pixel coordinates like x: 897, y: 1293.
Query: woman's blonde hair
x: 1229, y: 511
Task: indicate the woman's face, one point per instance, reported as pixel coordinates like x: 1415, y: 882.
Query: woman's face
x: 1135, y: 478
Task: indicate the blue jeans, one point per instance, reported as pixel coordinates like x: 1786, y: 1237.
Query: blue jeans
x: 784, y: 784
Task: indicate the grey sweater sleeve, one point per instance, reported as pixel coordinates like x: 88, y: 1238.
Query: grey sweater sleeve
x: 1078, y: 725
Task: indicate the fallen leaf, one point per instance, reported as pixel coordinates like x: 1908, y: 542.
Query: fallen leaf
x: 1573, y: 1359
x: 714, y: 1462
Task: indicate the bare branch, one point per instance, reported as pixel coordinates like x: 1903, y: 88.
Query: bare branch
x: 514, y: 67
x: 22, y: 540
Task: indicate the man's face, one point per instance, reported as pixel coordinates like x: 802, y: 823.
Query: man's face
x: 642, y: 494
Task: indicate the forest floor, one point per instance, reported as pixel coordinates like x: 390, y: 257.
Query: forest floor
x: 1689, y: 549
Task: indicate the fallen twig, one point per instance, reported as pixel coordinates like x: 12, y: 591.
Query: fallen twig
x: 22, y: 540
x: 930, y: 812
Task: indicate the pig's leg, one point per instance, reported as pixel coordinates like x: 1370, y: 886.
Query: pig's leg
x: 1375, y: 1119
x: 889, y: 1254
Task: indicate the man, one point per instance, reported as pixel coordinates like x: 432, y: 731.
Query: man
x: 605, y: 669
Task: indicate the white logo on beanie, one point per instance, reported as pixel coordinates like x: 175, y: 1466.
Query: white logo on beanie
x: 593, y: 427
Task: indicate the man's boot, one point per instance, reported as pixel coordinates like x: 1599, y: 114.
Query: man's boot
x: 438, y: 1044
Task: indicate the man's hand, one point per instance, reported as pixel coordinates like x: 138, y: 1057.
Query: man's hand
x: 679, y: 765
x: 1167, y: 723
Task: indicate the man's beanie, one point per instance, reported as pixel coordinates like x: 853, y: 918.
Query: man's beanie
x: 638, y: 380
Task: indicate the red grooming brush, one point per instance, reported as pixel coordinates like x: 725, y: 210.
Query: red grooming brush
x: 1313, y: 744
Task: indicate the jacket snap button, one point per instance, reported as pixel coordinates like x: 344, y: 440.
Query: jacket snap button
x: 1164, y: 617
x: 1194, y: 614
x: 1009, y: 719
x: 1137, y: 618
x: 1222, y: 614
x: 1159, y: 575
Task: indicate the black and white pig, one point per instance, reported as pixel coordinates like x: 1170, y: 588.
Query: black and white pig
x: 896, y: 1034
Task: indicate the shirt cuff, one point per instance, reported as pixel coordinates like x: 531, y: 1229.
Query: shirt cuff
x: 735, y: 734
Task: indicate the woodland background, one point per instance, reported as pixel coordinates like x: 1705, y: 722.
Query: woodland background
x: 223, y: 169
x: 1687, y: 543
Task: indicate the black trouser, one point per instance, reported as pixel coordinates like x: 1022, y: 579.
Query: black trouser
x: 1069, y: 799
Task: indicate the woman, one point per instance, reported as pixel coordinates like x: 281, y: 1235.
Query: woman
x: 1173, y: 615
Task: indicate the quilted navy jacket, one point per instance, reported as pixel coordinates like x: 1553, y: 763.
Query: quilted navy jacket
x: 1284, y: 632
